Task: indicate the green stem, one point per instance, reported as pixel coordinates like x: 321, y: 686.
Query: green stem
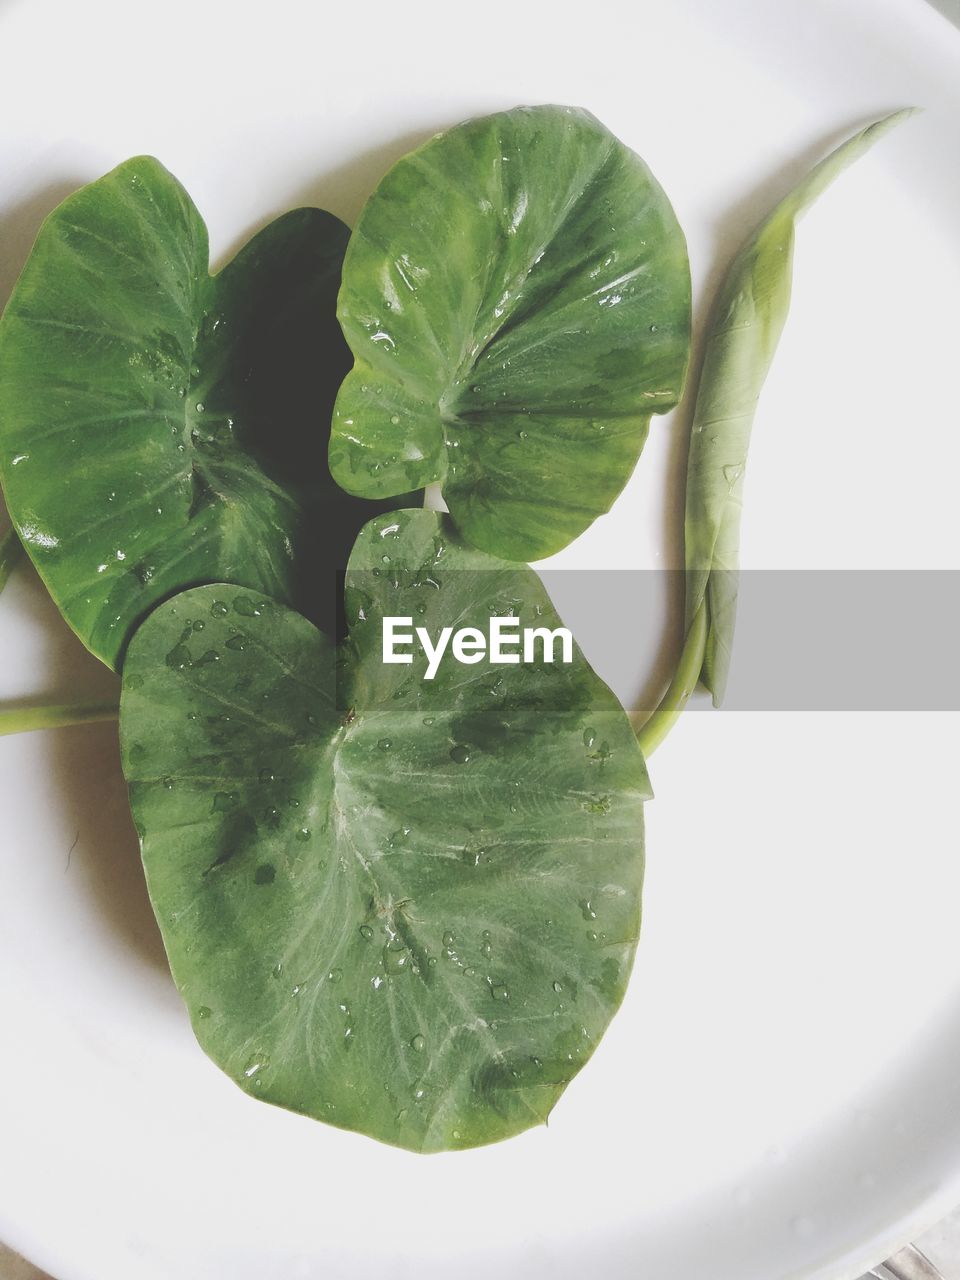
x: 11, y: 551
x: 25, y: 719
x: 684, y: 681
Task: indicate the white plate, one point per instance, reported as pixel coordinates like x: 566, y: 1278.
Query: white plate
x: 779, y: 1096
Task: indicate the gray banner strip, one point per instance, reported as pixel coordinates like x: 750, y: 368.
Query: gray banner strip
x: 833, y: 640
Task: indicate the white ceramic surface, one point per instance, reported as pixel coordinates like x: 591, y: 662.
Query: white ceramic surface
x: 779, y: 1096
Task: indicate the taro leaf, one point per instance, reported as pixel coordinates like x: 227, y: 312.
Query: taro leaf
x: 160, y: 427
x: 11, y: 550
x: 406, y: 907
x: 517, y: 297
x: 748, y: 319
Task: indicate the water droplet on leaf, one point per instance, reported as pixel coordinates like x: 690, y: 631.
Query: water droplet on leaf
x: 179, y: 658
x: 246, y: 607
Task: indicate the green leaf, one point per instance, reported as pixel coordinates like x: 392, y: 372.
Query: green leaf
x: 406, y: 907
x: 11, y: 551
x: 517, y: 297
x: 160, y: 427
x: 748, y: 319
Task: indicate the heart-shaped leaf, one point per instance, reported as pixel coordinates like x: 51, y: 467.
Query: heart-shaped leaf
x: 160, y: 427
x: 517, y: 297
x: 408, y: 907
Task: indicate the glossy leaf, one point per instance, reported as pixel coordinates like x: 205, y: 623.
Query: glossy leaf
x: 160, y: 427
x: 405, y: 907
x: 749, y: 316
x: 517, y: 297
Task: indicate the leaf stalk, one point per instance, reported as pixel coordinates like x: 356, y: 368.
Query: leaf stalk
x: 685, y: 678
x: 26, y: 719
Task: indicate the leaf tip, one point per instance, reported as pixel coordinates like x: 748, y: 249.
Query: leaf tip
x: 891, y: 121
